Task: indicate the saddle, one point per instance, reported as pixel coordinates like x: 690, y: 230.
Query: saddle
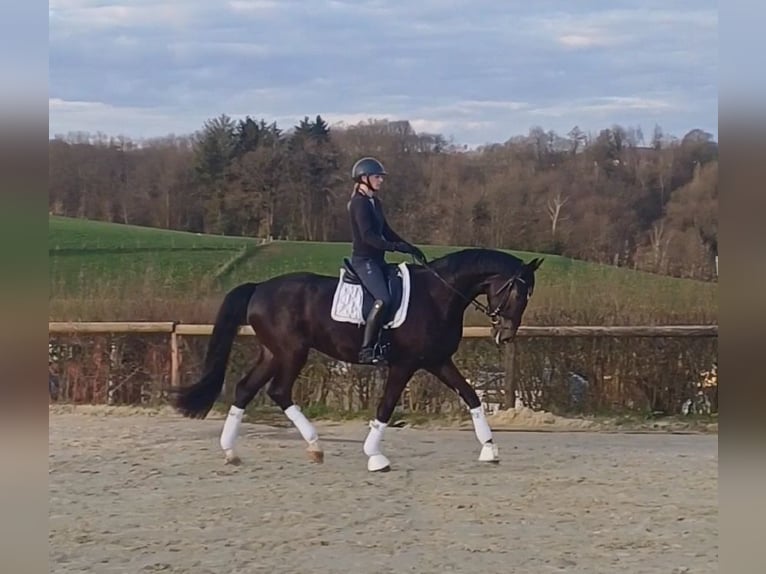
x: 352, y: 302
x: 393, y: 282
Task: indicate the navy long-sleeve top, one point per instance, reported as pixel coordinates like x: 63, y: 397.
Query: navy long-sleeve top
x: 371, y: 235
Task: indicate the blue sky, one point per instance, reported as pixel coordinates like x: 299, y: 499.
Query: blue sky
x: 478, y: 71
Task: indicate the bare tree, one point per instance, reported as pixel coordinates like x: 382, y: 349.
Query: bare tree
x: 659, y: 241
x: 657, y: 204
x: 554, y: 211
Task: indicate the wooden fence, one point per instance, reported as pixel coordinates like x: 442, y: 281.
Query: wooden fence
x: 176, y: 330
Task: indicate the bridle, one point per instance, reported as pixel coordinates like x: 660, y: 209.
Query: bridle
x: 493, y: 314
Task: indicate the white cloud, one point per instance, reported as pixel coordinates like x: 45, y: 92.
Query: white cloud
x: 192, y: 49
x: 585, y: 41
x: 488, y: 105
x: 254, y: 6
x: 445, y: 65
x: 606, y: 105
x: 601, y: 28
x: 78, y: 15
x: 73, y: 116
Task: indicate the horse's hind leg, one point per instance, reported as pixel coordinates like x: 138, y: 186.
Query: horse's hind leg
x: 281, y: 392
x: 245, y: 391
x: 449, y: 374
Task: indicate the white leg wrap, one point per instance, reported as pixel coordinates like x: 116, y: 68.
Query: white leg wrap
x: 372, y: 442
x: 304, y: 426
x: 480, y: 425
x: 231, y: 428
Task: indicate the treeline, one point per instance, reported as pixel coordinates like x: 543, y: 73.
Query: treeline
x: 613, y: 197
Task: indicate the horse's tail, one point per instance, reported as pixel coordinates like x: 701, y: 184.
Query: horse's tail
x: 196, y: 400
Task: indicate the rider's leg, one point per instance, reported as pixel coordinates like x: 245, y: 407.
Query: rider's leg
x: 371, y: 274
x: 372, y: 328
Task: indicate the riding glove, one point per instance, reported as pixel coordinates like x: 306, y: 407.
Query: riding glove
x: 404, y: 247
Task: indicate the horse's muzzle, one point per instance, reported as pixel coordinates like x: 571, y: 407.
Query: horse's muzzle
x: 504, y: 333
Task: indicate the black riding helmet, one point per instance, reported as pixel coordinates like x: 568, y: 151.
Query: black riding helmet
x: 366, y: 166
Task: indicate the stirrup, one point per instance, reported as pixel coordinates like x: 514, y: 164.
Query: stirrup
x: 372, y: 355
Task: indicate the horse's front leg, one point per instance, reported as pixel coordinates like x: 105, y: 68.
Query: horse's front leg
x: 449, y: 374
x: 397, y: 379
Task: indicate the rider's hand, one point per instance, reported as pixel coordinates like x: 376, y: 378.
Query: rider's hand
x: 419, y: 255
x: 410, y: 249
x: 404, y: 247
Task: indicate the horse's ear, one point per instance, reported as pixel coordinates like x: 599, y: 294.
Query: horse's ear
x: 534, y: 265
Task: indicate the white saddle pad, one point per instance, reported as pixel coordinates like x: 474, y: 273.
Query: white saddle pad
x: 348, y: 299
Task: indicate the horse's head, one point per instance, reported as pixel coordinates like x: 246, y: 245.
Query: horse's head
x: 508, y: 298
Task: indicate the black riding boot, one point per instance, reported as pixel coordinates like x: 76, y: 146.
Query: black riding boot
x: 371, y: 352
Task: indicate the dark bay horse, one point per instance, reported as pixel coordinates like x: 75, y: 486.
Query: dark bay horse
x: 291, y: 314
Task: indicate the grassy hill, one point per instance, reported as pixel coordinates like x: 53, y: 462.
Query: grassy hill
x: 85, y: 253
x: 103, y: 271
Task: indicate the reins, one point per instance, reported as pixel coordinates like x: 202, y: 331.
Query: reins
x: 492, y: 314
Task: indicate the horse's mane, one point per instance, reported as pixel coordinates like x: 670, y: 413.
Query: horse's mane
x: 476, y: 260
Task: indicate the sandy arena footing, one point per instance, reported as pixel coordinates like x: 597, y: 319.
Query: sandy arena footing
x: 151, y: 494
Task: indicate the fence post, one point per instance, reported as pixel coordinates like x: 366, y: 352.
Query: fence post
x: 174, y: 359
x: 509, y: 354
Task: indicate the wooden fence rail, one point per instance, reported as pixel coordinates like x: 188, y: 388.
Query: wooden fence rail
x: 175, y: 330
x: 107, y: 327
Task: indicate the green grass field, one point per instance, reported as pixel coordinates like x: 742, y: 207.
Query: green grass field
x: 93, y: 253
x: 102, y: 271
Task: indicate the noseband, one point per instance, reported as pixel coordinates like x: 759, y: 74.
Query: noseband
x: 493, y: 315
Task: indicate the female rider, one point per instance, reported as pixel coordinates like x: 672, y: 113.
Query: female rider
x: 372, y: 237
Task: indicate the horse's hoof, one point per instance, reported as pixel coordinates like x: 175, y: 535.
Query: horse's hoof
x: 316, y: 456
x: 489, y: 453
x: 378, y: 463
x: 232, y: 459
